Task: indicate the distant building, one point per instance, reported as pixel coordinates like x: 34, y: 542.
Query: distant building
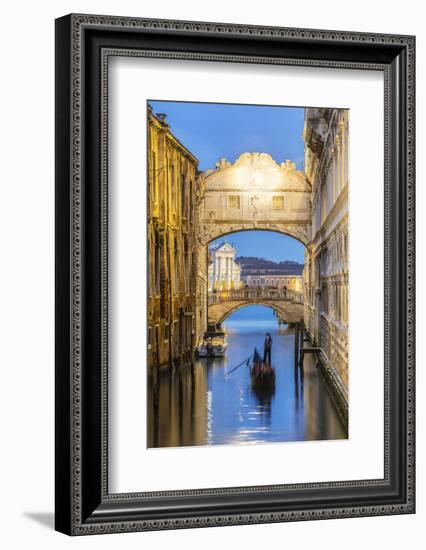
x: 251, y: 265
x: 288, y: 282
x: 224, y: 272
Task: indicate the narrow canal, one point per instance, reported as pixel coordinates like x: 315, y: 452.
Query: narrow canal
x: 203, y: 405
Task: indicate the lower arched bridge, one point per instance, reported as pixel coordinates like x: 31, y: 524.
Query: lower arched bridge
x: 288, y: 304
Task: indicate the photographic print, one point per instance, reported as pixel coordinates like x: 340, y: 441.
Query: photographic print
x: 248, y: 274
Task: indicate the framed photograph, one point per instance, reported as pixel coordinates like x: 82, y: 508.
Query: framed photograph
x: 234, y: 274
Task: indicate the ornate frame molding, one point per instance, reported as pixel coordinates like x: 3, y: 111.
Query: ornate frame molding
x: 85, y: 507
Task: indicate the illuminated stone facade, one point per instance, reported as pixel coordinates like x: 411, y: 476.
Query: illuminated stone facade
x: 326, y: 269
x: 224, y: 272
x: 289, y: 282
x: 255, y: 192
x: 173, y: 318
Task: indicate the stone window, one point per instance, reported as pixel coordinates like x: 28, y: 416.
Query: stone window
x: 278, y: 203
x: 173, y: 187
x: 157, y: 260
x: 233, y: 201
x: 186, y: 265
x: 176, y: 267
x: 154, y: 175
x: 166, y: 332
x: 191, y: 201
x: 183, y: 204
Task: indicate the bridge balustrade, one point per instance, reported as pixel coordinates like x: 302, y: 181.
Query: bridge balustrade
x: 255, y: 294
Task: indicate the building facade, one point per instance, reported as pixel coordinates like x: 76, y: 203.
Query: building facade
x: 326, y: 272
x: 288, y: 282
x: 172, y: 247
x: 224, y: 273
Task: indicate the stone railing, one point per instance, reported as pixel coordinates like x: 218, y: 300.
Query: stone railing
x: 254, y: 293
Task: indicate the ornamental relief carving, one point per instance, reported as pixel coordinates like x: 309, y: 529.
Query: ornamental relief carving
x: 210, y: 231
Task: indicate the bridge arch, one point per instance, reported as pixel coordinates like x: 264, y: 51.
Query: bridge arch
x: 291, y: 311
x: 276, y: 308
x: 290, y: 232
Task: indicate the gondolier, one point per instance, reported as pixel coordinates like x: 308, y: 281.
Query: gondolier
x: 267, y: 348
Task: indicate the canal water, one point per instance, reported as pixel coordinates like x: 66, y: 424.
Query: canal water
x: 205, y: 404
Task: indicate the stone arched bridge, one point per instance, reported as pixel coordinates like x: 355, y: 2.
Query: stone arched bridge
x: 288, y: 304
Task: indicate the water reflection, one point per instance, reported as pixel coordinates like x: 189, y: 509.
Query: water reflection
x: 203, y: 405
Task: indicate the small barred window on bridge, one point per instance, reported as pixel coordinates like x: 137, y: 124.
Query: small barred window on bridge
x: 278, y: 203
x: 234, y: 201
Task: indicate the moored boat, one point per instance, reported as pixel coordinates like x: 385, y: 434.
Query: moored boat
x: 214, y: 345
x: 201, y: 349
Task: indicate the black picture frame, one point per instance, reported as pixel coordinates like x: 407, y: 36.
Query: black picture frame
x: 83, y: 44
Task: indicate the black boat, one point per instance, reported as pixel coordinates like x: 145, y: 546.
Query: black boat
x: 262, y: 374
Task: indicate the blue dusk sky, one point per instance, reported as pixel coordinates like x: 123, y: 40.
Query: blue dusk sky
x: 265, y: 244
x: 215, y: 130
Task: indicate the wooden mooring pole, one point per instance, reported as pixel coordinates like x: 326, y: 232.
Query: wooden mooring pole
x: 296, y: 345
x: 301, y: 341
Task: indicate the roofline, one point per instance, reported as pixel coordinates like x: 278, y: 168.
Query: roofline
x: 167, y: 128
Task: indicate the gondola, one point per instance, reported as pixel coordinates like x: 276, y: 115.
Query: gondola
x: 262, y: 374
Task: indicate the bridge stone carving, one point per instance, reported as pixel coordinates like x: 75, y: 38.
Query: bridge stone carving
x: 255, y: 192
x: 289, y: 305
